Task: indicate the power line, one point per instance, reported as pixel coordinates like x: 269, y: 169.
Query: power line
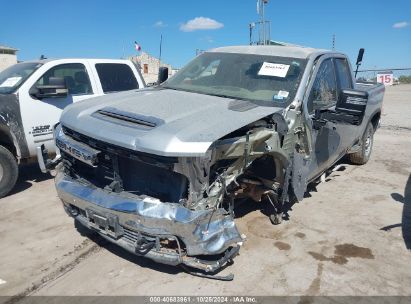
x: 379, y: 70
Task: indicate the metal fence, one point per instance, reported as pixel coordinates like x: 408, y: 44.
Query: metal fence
x: 371, y: 74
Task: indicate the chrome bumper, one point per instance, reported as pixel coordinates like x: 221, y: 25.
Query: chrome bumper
x: 205, y: 232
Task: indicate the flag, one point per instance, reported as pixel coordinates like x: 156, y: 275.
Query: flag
x: 137, y: 46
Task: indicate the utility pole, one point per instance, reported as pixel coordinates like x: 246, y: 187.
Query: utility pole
x: 263, y: 25
x: 161, y: 44
x: 251, y: 26
x: 263, y: 20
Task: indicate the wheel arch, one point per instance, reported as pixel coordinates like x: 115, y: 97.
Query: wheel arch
x: 9, y: 141
x: 375, y: 119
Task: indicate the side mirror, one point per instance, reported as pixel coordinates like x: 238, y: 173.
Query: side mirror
x: 55, y: 89
x: 350, y: 109
x: 359, y: 60
x: 360, y: 56
x: 162, y: 75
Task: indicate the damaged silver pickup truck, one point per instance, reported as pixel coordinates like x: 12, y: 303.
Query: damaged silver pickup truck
x: 159, y: 171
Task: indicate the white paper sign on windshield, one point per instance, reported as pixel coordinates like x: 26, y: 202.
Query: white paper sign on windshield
x: 10, y: 82
x: 274, y: 69
x: 283, y: 94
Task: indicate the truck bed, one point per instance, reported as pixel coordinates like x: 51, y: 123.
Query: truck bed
x: 373, y: 88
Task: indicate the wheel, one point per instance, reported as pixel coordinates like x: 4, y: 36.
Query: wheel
x: 9, y: 171
x: 361, y: 157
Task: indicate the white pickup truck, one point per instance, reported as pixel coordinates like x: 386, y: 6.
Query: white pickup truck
x: 33, y: 95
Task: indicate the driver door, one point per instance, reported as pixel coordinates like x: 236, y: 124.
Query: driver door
x: 326, y: 139
x: 42, y: 114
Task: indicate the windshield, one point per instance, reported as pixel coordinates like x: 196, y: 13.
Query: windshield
x: 14, y: 76
x: 241, y: 76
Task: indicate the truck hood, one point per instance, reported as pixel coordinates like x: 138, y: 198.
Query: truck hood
x: 162, y: 121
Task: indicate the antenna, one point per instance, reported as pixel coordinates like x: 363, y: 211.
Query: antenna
x: 263, y: 26
x: 333, y: 42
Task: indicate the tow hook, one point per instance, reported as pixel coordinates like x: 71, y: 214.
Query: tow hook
x: 227, y: 259
x: 228, y: 277
x: 142, y: 246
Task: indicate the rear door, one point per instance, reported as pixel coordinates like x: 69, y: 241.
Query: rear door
x: 117, y: 77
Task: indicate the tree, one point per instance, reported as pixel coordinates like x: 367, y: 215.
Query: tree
x: 404, y: 79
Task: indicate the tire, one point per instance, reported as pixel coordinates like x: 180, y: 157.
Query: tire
x: 9, y: 171
x: 361, y: 157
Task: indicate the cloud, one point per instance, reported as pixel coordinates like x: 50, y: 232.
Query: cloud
x: 159, y: 24
x: 200, y: 23
x: 399, y: 25
x: 207, y: 39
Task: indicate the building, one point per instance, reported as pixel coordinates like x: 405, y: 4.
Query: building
x: 149, y: 66
x: 8, y: 57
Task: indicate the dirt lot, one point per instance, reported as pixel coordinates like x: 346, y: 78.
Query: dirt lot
x: 349, y: 238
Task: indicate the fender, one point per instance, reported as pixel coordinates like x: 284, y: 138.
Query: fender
x: 12, y: 126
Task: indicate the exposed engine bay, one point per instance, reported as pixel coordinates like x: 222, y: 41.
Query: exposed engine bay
x: 250, y: 163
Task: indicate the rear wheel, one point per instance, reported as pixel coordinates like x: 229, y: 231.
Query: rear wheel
x: 361, y: 157
x: 8, y: 171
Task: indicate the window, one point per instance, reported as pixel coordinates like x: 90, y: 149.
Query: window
x: 211, y: 69
x: 242, y: 77
x: 116, y: 77
x: 324, y: 91
x: 75, y: 76
x: 343, y: 73
x: 14, y: 76
x: 145, y: 68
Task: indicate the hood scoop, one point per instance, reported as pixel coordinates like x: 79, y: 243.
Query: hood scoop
x: 128, y: 119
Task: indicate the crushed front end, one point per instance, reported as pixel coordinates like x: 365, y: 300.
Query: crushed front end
x: 140, y: 202
x: 173, y: 210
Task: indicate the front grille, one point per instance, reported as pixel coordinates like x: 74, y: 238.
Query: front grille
x: 106, y: 147
x: 100, y: 176
x: 137, y: 173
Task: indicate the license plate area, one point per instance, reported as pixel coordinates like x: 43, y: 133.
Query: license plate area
x: 104, y: 223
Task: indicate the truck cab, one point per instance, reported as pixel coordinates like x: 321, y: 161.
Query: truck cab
x: 33, y: 95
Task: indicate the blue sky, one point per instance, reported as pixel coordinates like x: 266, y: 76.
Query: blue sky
x: 91, y: 28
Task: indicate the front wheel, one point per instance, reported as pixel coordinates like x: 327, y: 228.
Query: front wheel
x: 8, y: 171
x: 361, y: 157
